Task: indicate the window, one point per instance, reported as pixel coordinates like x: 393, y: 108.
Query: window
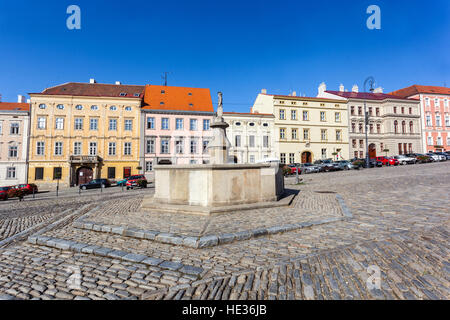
x: 381, y: 146
x: 322, y: 116
x: 79, y: 107
x: 439, y: 141
x: 324, y: 153
x: 337, y: 117
x: 361, y: 143
x: 60, y: 106
x: 291, y: 157
x: 378, y: 128
x: 282, y: 116
x: 252, y: 159
x: 360, y: 127
x: 411, y: 127
x: 111, y: 172
x: 205, y: 146
x: 427, y: 102
x: 165, y: 123
x: 38, y: 173
x: 193, y: 124
x: 42, y: 106
x: 305, y: 134
x: 403, y: 110
x: 14, y: 128
x: 237, y: 140
x: 123, y: 94
x: 436, y: 102
x: 92, y: 148
x: 447, y: 120
x: 192, y: 161
x: 323, y: 134
x: 359, y: 111
x: 58, y: 148
x: 282, y: 133
x: 251, y: 141
x: 165, y: 146
x: 283, y: 158
x: 400, y: 148
x: 353, y: 127
x: 354, y: 143
x: 179, y: 146
x: 377, y: 112
x: 193, y: 146
x: 293, y: 114
x: 410, y: 110
x: 148, y: 166
x: 151, y: 123
x: 128, y: 125
x: 112, y: 108
x: 370, y: 111
x: 41, y: 123
x: 112, y: 125
x: 12, y: 152
x: 178, y: 124
x: 352, y: 110
x: 305, y: 116
x: 237, y: 123
x: 371, y: 128
x: 57, y: 173
x: 338, y: 135
x: 127, y: 148
x: 438, y: 120
x: 40, y: 148
x: 77, y: 148
x: 355, y: 154
x: 93, y: 124
x: 127, y: 108
x: 94, y: 107
x: 265, y: 124
x: 395, y: 109
x: 1, y: 127
x: 11, y: 173
x: 446, y: 103
x: 150, y: 146
x: 430, y: 140
x: 78, y: 124
x: 206, y: 124
x: 112, y: 148
x: 59, y: 124
x: 265, y: 141
x: 294, y: 134
x: 361, y: 154
x: 395, y: 126
x: 428, y: 119
x: 281, y: 102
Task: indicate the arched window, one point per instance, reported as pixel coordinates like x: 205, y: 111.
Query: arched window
x: 403, y: 127
x: 411, y: 127
x: 395, y: 126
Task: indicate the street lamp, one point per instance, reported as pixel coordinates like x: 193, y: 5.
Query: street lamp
x: 371, y: 81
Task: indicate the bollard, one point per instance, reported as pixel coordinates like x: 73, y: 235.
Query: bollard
x: 297, y: 181
x: 33, y: 192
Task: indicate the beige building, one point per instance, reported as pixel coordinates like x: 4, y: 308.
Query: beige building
x: 251, y: 136
x: 394, y: 122
x: 84, y: 131
x: 14, y: 128
x: 306, y: 129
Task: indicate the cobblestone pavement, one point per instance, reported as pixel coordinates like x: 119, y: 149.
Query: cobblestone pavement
x: 399, y: 225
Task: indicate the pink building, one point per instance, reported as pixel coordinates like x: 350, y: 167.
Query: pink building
x: 435, y: 115
x: 175, y: 126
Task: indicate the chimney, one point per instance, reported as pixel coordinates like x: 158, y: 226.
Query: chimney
x: 294, y: 93
x: 355, y: 88
x: 378, y: 90
x: 341, y: 88
x: 322, y: 88
x: 118, y: 83
x: 92, y: 81
x: 264, y: 91
x: 20, y: 98
x: 28, y: 101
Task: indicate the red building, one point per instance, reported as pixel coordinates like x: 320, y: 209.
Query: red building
x: 435, y: 115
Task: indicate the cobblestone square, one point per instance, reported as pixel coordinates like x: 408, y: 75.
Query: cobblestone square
x: 378, y: 233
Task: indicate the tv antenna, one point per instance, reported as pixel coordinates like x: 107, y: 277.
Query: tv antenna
x: 164, y: 77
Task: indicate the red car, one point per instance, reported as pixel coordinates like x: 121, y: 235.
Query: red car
x: 387, y: 161
x: 4, y: 193
x: 28, y: 188
x: 133, y: 181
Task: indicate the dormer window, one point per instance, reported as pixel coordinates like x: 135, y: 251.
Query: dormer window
x: 42, y: 106
x: 94, y: 107
x: 191, y: 105
x: 123, y: 94
x: 161, y: 103
x: 127, y: 108
x: 137, y: 94
x: 190, y: 94
x: 79, y: 107
x: 60, y: 106
x: 113, y: 108
x: 265, y: 124
x: 163, y: 91
x: 251, y: 124
x: 238, y: 123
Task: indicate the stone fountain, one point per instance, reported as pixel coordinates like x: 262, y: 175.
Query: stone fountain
x: 217, y: 187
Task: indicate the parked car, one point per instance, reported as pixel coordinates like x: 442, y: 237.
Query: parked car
x: 434, y: 157
x: 387, y: 161
x: 326, y: 164
x: 122, y: 182
x: 403, y: 159
x: 444, y: 155
x: 309, y: 168
x: 96, y: 183
x: 27, y: 188
x: 4, y: 193
x: 294, y: 169
x: 345, y: 164
x: 132, y: 181
x: 373, y: 163
x: 420, y: 158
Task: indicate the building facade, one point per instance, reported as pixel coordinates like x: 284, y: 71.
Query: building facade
x: 393, y: 127
x: 84, y: 131
x: 435, y: 115
x: 14, y: 131
x: 306, y: 129
x: 251, y: 136
x: 175, y: 126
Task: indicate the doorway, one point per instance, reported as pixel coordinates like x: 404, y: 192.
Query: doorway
x: 306, y: 157
x: 84, y: 175
x: 126, y: 172
x: 372, y: 151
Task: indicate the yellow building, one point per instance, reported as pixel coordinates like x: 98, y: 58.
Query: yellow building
x: 84, y: 131
x: 306, y: 129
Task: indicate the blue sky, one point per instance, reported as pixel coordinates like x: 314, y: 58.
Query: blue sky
x: 237, y: 47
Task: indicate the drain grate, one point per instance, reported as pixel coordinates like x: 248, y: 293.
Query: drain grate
x: 331, y: 192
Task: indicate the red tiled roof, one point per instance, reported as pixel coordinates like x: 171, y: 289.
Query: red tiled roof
x: 416, y: 89
x: 14, y: 106
x: 364, y: 95
x: 177, y: 98
x: 95, y: 90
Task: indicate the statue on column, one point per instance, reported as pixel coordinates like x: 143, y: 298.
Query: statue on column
x: 220, y: 105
